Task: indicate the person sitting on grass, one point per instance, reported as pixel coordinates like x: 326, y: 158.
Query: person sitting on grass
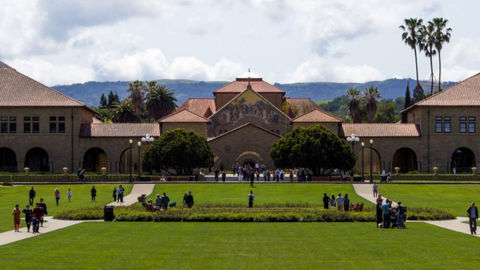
x: 150, y: 207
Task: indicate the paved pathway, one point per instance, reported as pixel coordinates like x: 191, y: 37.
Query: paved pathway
x: 366, y: 191
x: 56, y: 224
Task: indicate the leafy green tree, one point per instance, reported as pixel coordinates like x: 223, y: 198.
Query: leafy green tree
x: 137, y: 91
x: 315, y: 148
x: 427, y: 44
x: 353, y: 103
x: 386, y: 113
x: 103, y: 101
x: 124, y: 112
x: 179, y: 150
x: 371, y: 95
x: 112, y: 99
x: 411, y: 35
x: 442, y: 36
x: 160, y: 100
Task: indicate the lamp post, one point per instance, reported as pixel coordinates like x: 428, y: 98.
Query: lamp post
x: 138, y: 164
x: 147, y: 139
x: 130, y: 157
x: 353, y: 139
x: 363, y: 168
x: 371, y: 160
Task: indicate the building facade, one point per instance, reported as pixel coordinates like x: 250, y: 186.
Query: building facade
x: 45, y: 130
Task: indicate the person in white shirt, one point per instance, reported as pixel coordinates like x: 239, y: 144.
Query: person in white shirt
x: 69, y: 195
x: 339, y: 202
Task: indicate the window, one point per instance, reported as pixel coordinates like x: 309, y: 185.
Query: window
x: 53, y: 124
x: 31, y: 124
x: 12, y: 124
x: 471, y: 124
x: 57, y: 124
x: 447, y: 124
x: 463, y: 124
x: 8, y: 124
x: 4, y: 124
x: 61, y: 124
x: 438, y: 124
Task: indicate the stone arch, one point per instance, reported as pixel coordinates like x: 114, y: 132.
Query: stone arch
x: 8, y: 160
x: 406, y: 159
x: 94, y: 159
x: 376, y: 162
x: 463, y: 159
x: 37, y: 160
x: 249, y: 157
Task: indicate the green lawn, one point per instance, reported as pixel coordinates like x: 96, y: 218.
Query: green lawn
x: 456, y: 197
x: 264, y: 193
x: 9, y: 196
x: 244, y: 246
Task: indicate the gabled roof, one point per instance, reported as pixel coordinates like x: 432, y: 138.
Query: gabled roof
x: 240, y: 84
x: 119, y: 130
x: 381, y: 129
x: 465, y: 93
x: 199, y: 106
x: 17, y: 90
x: 183, y: 115
x: 316, y: 115
x: 244, y: 126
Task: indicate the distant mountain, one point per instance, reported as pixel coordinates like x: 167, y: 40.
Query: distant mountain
x: 90, y: 92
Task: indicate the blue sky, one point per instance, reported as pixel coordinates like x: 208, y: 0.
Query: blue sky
x: 63, y: 42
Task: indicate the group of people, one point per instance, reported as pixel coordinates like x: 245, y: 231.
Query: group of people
x: 33, y: 217
x: 118, y: 194
x: 161, y: 203
x: 389, y: 216
x: 339, y: 202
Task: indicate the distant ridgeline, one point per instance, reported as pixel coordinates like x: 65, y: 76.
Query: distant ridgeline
x: 90, y: 92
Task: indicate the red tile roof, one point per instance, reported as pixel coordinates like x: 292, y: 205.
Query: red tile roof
x: 240, y: 84
x: 120, y: 130
x: 465, y: 93
x: 316, y: 115
x: 18, y: 90
x: 199, y: 106
x: 183, y: 115
x: 381, y: 130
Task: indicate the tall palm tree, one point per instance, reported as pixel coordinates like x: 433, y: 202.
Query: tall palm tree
x: 441, y: 35
x: 411, y: 37
x: 137, y: 91
x: 427, y: 44
x: 353, y: 103
x: 160, y: 100
x: 124, y: 112
x: 371, y: 94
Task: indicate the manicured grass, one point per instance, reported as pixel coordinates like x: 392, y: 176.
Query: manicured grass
x: 455, y: 197
x: 264, y: 193
x: 9, y: 196
x: 244, y: 246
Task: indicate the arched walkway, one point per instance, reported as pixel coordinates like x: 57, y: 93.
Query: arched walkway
x: 406, y: 159
x: 94, y: 159
x: 376, y: 162
x: 37, y: 160
x: 249, y: 158
x: 124, y: 163
x: 463, y: 160
x: 8, y: 160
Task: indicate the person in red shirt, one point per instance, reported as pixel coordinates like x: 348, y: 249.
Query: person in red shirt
x: 16, y: 217
x: 36, y: 217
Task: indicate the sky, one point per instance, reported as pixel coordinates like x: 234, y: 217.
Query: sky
x: 285, y: 41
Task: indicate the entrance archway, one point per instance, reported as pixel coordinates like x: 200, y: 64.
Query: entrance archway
x: 463, y: 160
x: 8, y: 160
x: 94, y: 159
x: 37, y: 160
x: 249, y: 158
x: 376, y: 162
x: 406, y: 159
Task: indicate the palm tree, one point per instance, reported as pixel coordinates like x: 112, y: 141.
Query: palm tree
x: 427, y: 44
x: 371, y: 94
x: 441, y: 37
x: 137, y: 91
x: 124, y: 112
x: 160, y: 100
x: 411, y: 37
x: 353, y: 103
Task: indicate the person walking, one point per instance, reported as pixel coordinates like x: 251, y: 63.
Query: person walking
x: 217, y: 172
x: 69, y: 195
x: 400, y: 215
x: 164, y: 201
x: 252, y: 177
x: 16, y: 217
x: 224, y: 176
x: 37, y: 217
x: 28, y: 216
x: 346, y: 203
x: 326, y: 200
x: 379, y: 210
x: 339, y: 202
x: 189, y: 200
x: 158, y: 201
x: 114, y: 195
x: 31, y: 196
x: 251, y: 196
x: 472, y: 213
x: 120, y: 191
x: 332, y: 201
x: 386, y: 214
x: 43, y: 205
x: 375, y: 190
x: 57, y: 195
x: 93, y: 192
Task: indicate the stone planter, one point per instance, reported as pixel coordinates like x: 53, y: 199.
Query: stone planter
x: 65, y: 170
x: 397, y: 169
x: 27, y: 170
x: 104, y: 170
x: 435, y: 170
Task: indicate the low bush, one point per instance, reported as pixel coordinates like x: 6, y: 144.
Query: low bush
x: 215, y: 214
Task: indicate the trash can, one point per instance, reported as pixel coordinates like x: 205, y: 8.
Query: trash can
x: 108, y: 213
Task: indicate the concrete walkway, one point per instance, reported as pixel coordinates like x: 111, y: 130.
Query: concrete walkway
x: 132, y: 197
x: 366, y: 191
x: 56, y: 224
